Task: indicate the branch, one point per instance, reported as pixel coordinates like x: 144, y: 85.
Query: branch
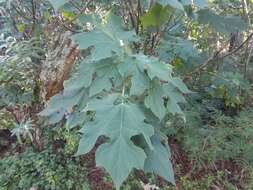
x: 34, y: 20
x: 217, y: 56
x: 81, y: 11
x: 65, y: 25
x: 239, y: 47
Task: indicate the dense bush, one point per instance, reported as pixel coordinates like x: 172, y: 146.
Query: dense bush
x: 43, y: 170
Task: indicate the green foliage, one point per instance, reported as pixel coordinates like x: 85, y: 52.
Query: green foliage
x: 6, y: 120
x: 108, y: 38
x: 123, y: 93
x: 222, y: 24
x: 176, y: 47
x: 18, y: 71
x: 118, y: 122
x: 43, y: 170
x: 205, y: 182
x: 233, y: 88
x: 118, y: 116
x: 156, y: 161
x: 156, y: 16
x: 210, y: 136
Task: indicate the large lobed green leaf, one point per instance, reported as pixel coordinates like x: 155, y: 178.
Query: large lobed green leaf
x: 142, y: 69
x: 107, y: 75
x: 120, y: 122
x: 174, y: 47
x: 75, y: 93
x: 108, y: 38
x: 154, y: 100
x: 158, y: 160
x: 146, y: 75
x: 155, y: 17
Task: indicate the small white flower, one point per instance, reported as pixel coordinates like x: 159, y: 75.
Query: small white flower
x: 149, y: 186
x: 121, y: 43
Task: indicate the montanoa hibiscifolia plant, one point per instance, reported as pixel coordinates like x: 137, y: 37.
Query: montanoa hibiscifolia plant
x: 121, y: 95
x: 129, y: 93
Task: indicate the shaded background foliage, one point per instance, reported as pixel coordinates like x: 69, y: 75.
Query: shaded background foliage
x: 210, y: 48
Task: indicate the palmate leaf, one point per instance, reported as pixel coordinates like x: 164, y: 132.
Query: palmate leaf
x: 201, y: 3
x: 155, y: 17
x: 75, y: 92
x: 140, y: 83
x: 160, y: 13
x: 143, y: 69
x: 173, y: 91
x: 119, y: 122
x: 76, y: 118
x: 176, y: 47
x: 108, y: 38
x: 172, y: 88
x: 154, y: 100
x: 178, y: 83
x: 174, y: 98
x: 154, y: 67
x: 119, y: 158
x: 107, y: 75
x: 222, y: 24
x: 158, y: 160
x: 58, y: 3
x: 173, y: 3
x: 131, y: 67
x: 146, y: 74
